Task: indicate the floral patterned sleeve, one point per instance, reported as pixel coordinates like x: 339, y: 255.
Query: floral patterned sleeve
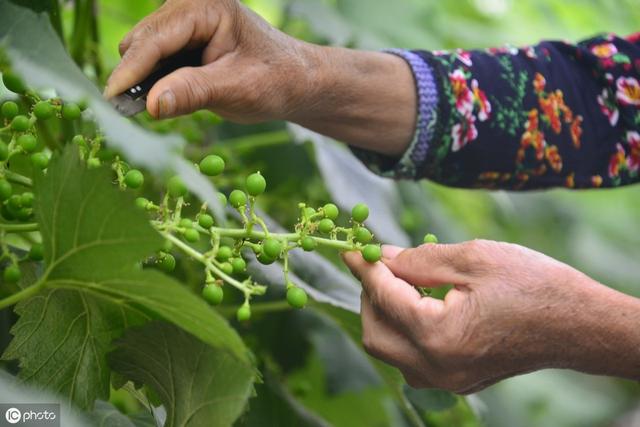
x: 554, y: 114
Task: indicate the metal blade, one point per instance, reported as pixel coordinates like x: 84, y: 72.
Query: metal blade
x: 128, y: 106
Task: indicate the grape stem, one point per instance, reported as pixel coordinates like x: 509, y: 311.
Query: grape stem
x: 17, y: 228
x: 240, y: 233
x: 16, y: 178
x: 24, y: 294
x: 204, y: 260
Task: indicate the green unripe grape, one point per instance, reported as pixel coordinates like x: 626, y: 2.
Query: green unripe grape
x: 362, y: 235
x: 15, y: 202
x: 244, y: 313
x: 5, y: 189
x: 186, y: 223
x: 224, y: 253
x: 4, y: 151
x: 430, y: 238
x: 265, y: 259
x: 13, y: 82
x: 237, y: 198
x: 212, y: 165
x: 26, y: 199
x: 79, y: 141
x: 20, y: 123
x: 167, y: 263
x: 326, y: 226
x: 176, y: 187
x: 36, y: 253
x: 70, y: 111
x: 297, y: 297
x: 43, y: 110
x: 24, y: 214
x: 142, y: 203
x: 213, y: 294
x: 12, y: 274
x: 28, y: 142
x: 308, y: 243
x: 371, y: 253
x: 40, y: 160
x: 226, y: 268
x: 331, y: 211
x: 167, y: 245
x: 191, y: 235
x: 205, y: 221
x: 256, y: 184
x: 223, y: 199
x: 360, y: 212
x: 134, y: 179
x: 309, y: 212
x: 272, y: 247
x: 9, y: 110
x: 239, y: 265
x: 93, y: 163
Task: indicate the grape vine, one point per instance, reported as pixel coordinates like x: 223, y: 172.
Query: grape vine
x: 227, y: 248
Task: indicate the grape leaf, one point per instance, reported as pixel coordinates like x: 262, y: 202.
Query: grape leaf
x: 93, y: 236
x: 198, y: 384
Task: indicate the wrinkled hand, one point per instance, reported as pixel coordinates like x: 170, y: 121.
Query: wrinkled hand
x: 512, y: 310
x: 251, y: 71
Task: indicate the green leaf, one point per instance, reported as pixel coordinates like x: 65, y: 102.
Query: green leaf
x: 93, y: 238
x: 198, y: 385
x: 61, y: 340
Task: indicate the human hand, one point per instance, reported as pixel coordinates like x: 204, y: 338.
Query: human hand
x: 512, y: 310
x: 253, y: 72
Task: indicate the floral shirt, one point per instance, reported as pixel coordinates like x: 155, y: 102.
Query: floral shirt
x: 554, y: 114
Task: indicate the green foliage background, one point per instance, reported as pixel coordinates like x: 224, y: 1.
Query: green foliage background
x: 595, y: 231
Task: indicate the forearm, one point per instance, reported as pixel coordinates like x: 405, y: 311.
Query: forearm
x: 365, y: 99
x: 606, y: 340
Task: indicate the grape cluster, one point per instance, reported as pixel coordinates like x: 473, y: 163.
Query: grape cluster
x: 228, y: 249
x: 20, y: 137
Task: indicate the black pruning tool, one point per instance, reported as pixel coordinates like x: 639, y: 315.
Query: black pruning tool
x: 134, y: 100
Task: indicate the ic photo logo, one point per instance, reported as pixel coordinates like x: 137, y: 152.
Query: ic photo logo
x: 30, y: 414
x: 13, y: 415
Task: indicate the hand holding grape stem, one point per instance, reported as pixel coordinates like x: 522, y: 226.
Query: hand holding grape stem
x: 512, y: 310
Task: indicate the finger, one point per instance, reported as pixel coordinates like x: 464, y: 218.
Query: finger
x: 158, y: 36
x: 395, y: 298
x: 382, y: 341
x: 390, y: 251
x: 184, y: 91
x: 435, y: 264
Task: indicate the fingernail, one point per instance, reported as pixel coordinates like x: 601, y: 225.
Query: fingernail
x: 390, y: 251
x: 166, y: 104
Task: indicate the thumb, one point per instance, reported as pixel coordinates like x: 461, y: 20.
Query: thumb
x: 431, y: 265
x: 184, y: 91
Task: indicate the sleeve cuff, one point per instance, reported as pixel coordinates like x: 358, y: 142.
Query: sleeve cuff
x: 408, y: 165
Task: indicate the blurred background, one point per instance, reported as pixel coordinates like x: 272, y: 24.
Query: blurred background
x: 594, y: 231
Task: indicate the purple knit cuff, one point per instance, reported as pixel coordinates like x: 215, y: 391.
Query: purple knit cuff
x: 416, y: 155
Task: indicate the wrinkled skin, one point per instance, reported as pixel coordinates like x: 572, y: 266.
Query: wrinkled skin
x: 512, y: 310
